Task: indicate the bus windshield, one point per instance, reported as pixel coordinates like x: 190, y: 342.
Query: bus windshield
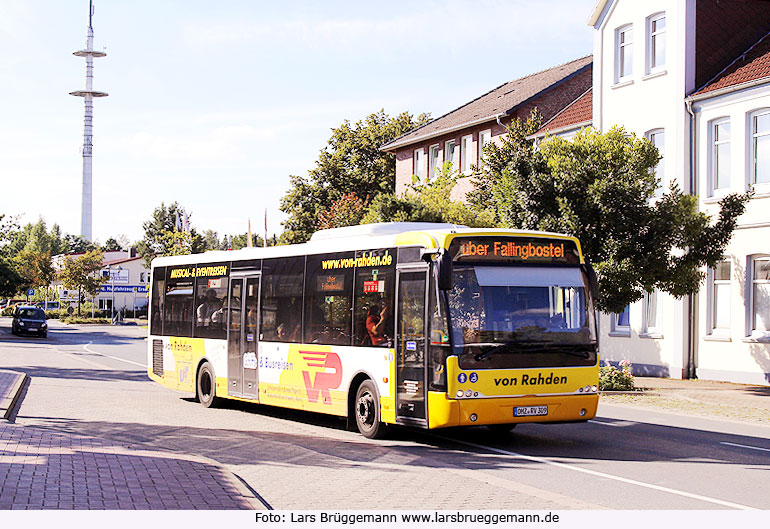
x: 521, y: 317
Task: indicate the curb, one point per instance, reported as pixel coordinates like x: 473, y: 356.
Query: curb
x: 634, y: 392
x: 8, y: 402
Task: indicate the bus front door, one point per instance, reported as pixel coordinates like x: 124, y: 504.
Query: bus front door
x: 411, y: 346
x: 243, y: 334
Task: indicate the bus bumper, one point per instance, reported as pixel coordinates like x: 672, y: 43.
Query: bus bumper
x: 445, y: 412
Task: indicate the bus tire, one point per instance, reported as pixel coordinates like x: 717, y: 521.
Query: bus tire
x: 367, y: 411
x: 206, y: 386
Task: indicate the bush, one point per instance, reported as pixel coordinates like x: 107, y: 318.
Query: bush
x: 84, y: 319
x: 613, y: 379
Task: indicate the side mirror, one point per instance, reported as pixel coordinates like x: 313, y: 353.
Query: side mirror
x: 444, y: 271
x: 593, y: 280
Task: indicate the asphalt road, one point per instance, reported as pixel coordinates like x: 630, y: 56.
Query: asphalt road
x: 91, y: 381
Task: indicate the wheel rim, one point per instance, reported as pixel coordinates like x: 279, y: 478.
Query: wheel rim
x: 365, y: 410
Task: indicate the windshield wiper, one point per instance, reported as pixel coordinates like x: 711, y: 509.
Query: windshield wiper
x: 529, y: 345
x: 496, y: 349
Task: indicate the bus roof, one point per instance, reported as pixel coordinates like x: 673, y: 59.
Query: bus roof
x: 362, y: 237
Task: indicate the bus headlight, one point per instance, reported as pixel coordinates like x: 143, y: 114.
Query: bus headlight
x: 595, y: 389
x: 459, y: 393
x: 473, y: 417
x: 583, y: 412
x: 469, y: 393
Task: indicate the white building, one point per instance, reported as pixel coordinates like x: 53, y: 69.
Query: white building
x: 694, y: 78
x: 126, y: 280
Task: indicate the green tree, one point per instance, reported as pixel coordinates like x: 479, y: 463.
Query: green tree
x: 600, y: 188
x: 427, y: 201
x: 76, y: 244
x: 10, y: 280
x: 351, y: 162
x: 82, y: 273
x: 111, y: 245
x: 348, y: 210
x: 35, y: 269
x: 163, y: 234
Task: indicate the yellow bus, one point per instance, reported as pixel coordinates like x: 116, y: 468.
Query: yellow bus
x: 417, y: 324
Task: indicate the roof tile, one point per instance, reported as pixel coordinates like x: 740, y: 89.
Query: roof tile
x: 502, y: 99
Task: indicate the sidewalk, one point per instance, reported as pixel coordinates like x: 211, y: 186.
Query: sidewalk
x: 41, y: 469
x: 718, y: 400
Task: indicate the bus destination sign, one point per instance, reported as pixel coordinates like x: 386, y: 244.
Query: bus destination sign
x: 514, y: 250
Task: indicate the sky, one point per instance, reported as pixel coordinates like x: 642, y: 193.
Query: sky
x: 215, y: 104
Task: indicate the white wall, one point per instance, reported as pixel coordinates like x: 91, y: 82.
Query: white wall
x: 642, y: 101
x: 734, y: 355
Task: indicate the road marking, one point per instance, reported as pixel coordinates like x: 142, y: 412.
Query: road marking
x: 605, y: 475
x: 113, y: 357
x: 746, y: 446
x: 618, y: 424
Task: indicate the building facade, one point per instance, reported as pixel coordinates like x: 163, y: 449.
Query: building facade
x: 693, y: 77
x: 460, y: 135
x: 125, y: 280
x: 666, y: 70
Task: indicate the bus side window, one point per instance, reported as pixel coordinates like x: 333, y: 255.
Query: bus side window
x: 374, y: 293
x: 178, y: 305
x: 211, y: 305
x: 281, y: 303
x: 158, y: 290
x: 329, y: 289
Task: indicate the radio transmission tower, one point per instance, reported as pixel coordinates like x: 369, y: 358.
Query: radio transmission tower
x: 88, y: 96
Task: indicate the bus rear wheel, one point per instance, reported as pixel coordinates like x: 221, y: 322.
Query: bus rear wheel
x: 367, y: 411
x: 206, y: 387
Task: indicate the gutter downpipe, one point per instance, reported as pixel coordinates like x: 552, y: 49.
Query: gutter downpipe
x: 689, y: 371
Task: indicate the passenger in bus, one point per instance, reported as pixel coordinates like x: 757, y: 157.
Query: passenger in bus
x: 377, y: 323
x: 283, y: 334
x: 205, y: 310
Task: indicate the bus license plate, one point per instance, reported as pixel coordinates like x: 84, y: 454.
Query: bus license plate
x: 529, y: 411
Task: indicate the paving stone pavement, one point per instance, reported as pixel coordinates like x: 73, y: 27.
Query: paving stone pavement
x: 40, y: 469
x: 44, y: 469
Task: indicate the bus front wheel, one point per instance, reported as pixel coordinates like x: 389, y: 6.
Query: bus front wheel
x: 206, y: 387
x: 367, y: 411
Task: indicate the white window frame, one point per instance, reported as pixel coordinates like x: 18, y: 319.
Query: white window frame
x: 621, y: 51
x: 620, y: 330
x: 653, y: 37
x: 751, y: 176
x: 751, y: 330
x: 660, y: 169
x: 466, y: 147
x: 651, y: 314
x: 485, y: 136
x: 433, y: 160
x: 714, y: 143
x: 418, y: 163
x: 452, y: 154
x: 711, y: 296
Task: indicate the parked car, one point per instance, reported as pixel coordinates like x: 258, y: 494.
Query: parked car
x: 29, y: 320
